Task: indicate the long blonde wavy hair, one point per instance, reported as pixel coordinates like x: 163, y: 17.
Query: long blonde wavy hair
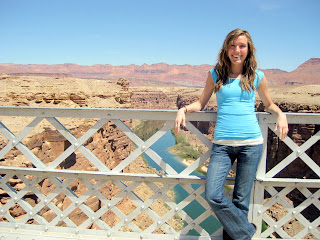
x: 223, y: 67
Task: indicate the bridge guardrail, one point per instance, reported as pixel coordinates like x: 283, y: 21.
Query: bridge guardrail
x: 57, y: 213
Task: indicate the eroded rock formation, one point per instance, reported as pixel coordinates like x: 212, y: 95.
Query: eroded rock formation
x: 109, y: 144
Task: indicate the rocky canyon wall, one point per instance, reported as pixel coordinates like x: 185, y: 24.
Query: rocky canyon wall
x: 110, y: 144
x: 42, y: 91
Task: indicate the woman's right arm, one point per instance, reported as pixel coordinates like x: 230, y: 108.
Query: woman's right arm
x: 195, y: 106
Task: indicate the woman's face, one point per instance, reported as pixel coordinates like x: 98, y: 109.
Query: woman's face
x: 238, y: 50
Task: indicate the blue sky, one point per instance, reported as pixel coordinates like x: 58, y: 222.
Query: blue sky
x: 121, y: 32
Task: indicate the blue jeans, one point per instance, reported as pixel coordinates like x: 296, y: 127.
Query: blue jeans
x: 233, y: 215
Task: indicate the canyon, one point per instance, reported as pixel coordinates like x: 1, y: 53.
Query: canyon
x: 111, y: 146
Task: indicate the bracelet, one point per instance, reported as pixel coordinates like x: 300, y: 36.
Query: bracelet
x: 186, y: 109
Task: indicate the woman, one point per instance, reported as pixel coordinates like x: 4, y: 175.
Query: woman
x: 235, y: 80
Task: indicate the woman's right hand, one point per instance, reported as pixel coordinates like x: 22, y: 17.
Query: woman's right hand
x: 195, y: 106
x: 180, y: 120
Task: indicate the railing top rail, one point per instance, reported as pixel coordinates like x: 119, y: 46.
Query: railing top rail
x: 6, y: 109
x: 113, y: 113
x: 110, y: 113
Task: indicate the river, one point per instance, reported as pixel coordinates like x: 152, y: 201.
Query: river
x: 194, y: 209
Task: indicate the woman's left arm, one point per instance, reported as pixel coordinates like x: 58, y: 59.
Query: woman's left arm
x: 282, y: 124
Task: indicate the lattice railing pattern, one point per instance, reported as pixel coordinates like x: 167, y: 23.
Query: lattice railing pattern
x: 288, y: 208
x: 46, y: 212
x: 76, y: 195
x: 291, y: 213
x: 59, y: 211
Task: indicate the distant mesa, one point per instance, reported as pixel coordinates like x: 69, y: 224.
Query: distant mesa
x: 308, y: 73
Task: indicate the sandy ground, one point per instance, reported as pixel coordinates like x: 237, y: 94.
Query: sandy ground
x: 68, y: 92
x: 15, y: 90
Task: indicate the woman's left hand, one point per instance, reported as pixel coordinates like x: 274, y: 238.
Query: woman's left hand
x: 282, y: 126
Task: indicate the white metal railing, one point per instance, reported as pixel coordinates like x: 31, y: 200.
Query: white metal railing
x: 53, y: 214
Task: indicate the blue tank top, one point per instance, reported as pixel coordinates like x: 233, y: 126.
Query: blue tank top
x: 236, y: 118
